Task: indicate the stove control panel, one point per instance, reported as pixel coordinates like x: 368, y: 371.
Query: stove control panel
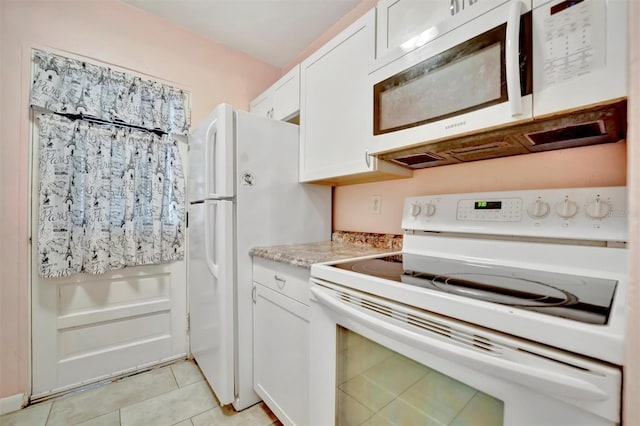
x: 576, y: 213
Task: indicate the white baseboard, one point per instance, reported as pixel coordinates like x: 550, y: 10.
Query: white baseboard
x: 11, y: 403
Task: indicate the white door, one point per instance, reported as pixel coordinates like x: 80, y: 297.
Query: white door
x: 87, y: 328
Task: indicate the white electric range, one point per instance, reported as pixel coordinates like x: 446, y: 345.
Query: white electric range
x: 518, y: 295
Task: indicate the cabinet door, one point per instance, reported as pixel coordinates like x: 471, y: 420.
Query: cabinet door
x: 336, y: 111
x: 286, y: 95
x: 336, y: 102
x: 281, y: 354
x: 262, y: 104
x: 400, y: 20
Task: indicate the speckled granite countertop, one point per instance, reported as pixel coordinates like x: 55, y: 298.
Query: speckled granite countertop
x: 345, y: 245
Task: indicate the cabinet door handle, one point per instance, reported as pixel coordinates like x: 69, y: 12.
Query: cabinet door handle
x: 280, y: 282
x: 253, y: 294
x: 366, y: 158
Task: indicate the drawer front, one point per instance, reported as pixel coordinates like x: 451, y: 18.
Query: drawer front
x: 289, y: 280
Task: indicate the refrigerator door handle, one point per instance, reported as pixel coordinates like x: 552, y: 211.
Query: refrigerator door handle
x: 218, y: 154
x: 210, y: 224
x: 210, y: 155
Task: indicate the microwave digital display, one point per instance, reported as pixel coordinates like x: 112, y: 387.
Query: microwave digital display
x: 564, y: 5
x: 487, y: 205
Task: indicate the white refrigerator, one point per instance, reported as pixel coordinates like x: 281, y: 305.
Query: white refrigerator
x: 243, y: 192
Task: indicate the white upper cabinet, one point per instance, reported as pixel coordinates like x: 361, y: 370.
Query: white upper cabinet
x: 400, y: 20
x: 262, y: 105
x: 336, y: 117
x: 281, y: 101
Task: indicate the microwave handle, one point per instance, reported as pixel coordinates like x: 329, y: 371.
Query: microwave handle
x: 512, y: 55
x: 528, y: 375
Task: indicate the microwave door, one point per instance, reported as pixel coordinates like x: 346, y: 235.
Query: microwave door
x: 476, y: 76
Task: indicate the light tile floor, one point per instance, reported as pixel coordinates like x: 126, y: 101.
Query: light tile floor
x: 172, y: 395
x: 377, y: 386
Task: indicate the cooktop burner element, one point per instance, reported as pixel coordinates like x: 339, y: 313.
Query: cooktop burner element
x: 508, y: 290
x: 585, y: 299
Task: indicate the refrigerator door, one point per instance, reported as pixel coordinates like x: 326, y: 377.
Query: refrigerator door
x: 211, y: 293
x: 211, y: 156
x: 272, y: 208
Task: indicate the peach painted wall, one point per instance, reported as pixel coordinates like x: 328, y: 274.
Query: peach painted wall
x: 361, y: 8
x: 599, y: 165
x: 108, y: 31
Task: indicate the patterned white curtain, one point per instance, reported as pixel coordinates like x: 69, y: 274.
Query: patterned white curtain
x: 110, y: 195
x: 68, y: 86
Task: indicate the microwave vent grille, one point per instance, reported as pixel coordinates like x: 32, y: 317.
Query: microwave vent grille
x: 594, y: 129
x: 487, y: 150
x: 421, y: 160
x: 594, y: 124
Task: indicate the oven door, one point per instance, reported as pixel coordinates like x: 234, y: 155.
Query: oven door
x: 462, y: 79
x: 379, y: 362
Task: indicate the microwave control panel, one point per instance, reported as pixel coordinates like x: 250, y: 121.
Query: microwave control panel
x: 574, y: 34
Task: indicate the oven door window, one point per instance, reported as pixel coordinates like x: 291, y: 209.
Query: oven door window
x: 376, y: 385
x: 464, y: 78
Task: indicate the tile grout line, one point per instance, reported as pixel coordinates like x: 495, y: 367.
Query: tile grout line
x: 218, y: 407
x: 175, y: 381
x: 173, y: 373
x: 49, y: 414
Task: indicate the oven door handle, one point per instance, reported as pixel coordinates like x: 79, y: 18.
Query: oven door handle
x: 548, y: 382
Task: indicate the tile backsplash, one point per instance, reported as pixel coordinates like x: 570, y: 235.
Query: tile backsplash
x: 392, y: 242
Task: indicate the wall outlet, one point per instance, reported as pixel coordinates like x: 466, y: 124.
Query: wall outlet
x: 375, y: 204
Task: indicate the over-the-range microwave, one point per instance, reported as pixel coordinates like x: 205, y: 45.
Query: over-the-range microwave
x: 484, y: 64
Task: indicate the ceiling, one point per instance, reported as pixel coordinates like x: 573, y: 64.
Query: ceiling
x: 274, y: 31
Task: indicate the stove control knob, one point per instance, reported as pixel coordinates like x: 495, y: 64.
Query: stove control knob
x: 539, y: 209
x: 598, y: 209
x: 566, y: 209
x: 415, y: 210
x: 429, y: 209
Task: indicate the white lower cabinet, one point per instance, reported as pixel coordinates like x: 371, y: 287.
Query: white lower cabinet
x: 281, y: 339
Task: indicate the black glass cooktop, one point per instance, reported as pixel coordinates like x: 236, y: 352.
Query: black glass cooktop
x: 580, y: 298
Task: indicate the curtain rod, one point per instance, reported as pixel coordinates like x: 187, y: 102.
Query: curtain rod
x: 105, y: 122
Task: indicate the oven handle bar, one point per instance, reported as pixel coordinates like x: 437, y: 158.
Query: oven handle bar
x: 543, y: 380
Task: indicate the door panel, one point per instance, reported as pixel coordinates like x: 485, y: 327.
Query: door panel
x: 87, y: 328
